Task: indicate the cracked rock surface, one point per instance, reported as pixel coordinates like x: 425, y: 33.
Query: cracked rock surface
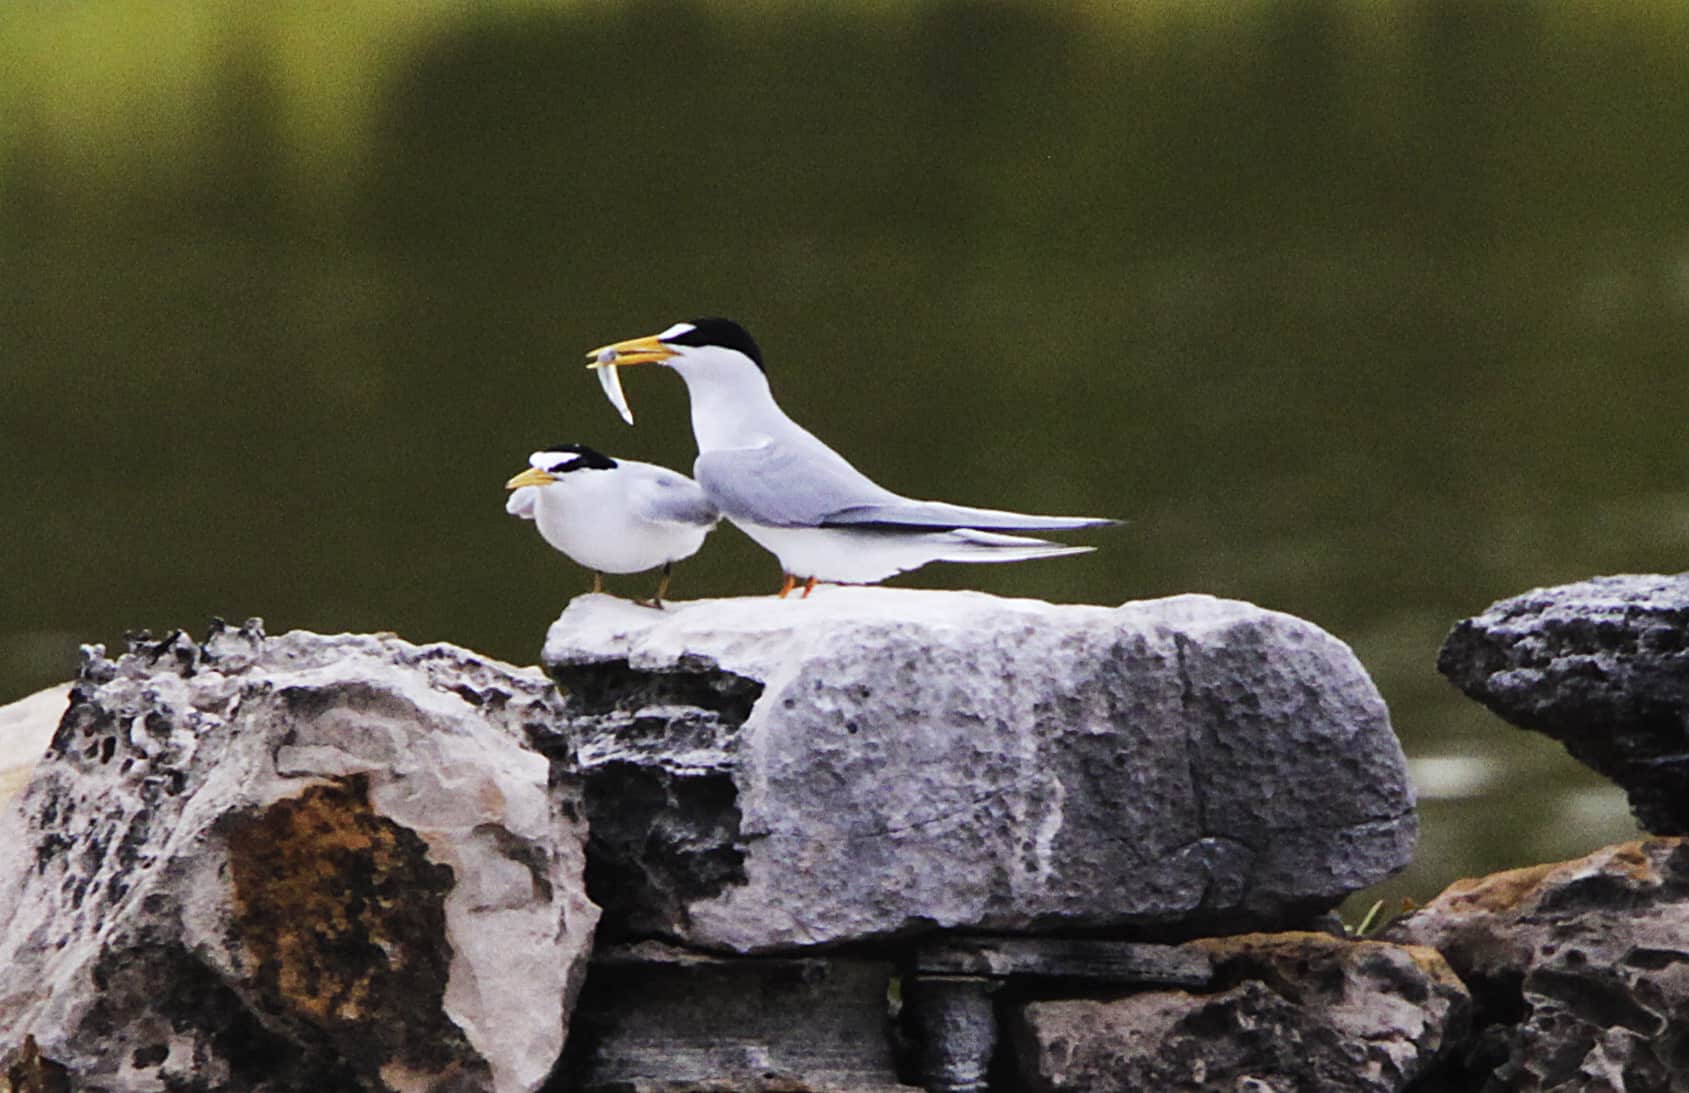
x: 767, y: 774
x: 1601, y: 666
x: 294, y: 863
x: 1580, y: 970
x: 1299, y: 1011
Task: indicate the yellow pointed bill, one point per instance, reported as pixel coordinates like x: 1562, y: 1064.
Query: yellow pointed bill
x: 533, y: 476
x: 647, y: 350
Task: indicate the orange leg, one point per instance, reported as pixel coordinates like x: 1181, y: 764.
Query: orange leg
x: 808, y: 587
x: 786, y: 588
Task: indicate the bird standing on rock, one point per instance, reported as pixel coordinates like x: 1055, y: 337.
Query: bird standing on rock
x: 612, y: 515
x: 798, y: 498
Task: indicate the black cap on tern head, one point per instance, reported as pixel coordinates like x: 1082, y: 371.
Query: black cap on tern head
x: 723, y: 332
x: 585, y: 459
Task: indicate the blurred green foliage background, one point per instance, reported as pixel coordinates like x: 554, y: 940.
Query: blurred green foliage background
x: 1373, y: 312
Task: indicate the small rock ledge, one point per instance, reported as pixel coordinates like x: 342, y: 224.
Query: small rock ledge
x: 1601, y: 666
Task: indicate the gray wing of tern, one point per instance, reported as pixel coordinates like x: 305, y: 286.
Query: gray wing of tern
x: 813, y: 486
x: 668, y: 497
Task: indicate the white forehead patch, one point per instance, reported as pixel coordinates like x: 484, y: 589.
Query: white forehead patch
x: 676, y: 331
x: 544, y: 461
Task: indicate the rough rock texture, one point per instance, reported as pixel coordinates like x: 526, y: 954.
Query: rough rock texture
x: 1298, y: 1012
x: 26, y: 728
x: 655, y: 1019
x: 766, y: 774
x: 1580, y: 970
x: 1601, y: 666
x: 296, y: 863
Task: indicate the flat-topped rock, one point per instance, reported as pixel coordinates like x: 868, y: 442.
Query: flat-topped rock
x: 1601, y: 666
x: 766, y: 774
x: 292, y: 863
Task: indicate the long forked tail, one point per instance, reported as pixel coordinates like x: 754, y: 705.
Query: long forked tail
x: 909, y: 513
x: 971, y: 545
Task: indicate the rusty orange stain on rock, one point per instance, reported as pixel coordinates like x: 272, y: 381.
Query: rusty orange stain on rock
x: 343, y: 917
x: 1495, y: 892
x: 1510, y: 889
x: 1312, y: 945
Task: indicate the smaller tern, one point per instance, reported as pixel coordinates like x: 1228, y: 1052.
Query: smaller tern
x: 612, y: 515
x: 799, y: 499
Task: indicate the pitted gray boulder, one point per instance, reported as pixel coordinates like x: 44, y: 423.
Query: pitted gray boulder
x: 1603, y: 667
x: 295, y: 863
x: 871, y: 762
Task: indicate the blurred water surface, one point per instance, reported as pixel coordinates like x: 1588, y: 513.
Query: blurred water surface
x: 1370, y: 312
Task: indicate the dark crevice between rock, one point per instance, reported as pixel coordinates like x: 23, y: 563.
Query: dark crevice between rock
x: 652, y: 751
x: 659, y: 840
x: 1498, y: 1008
x: 1187, y: 699
x: 1596, y: 999
x: 607, y: 686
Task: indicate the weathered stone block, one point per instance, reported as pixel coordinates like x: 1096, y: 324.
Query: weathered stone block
x: 296, y: 863
x: 768, y: 774
x: 655, y: 1019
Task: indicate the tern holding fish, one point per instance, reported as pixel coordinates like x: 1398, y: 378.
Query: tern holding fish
x: 611, y: 380
x: 798, y: 498
x: 612, y: 515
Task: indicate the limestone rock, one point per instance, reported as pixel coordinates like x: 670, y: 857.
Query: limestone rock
x: 767, y: 774
x: 294, y: 863
x: 1580, y: 970
x: 1601, y: 666
x: 26, y: 728
x: 1303, y: 1012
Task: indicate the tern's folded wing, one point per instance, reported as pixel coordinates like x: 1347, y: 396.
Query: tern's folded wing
x: 793, y: 485
x: 672, y: 498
